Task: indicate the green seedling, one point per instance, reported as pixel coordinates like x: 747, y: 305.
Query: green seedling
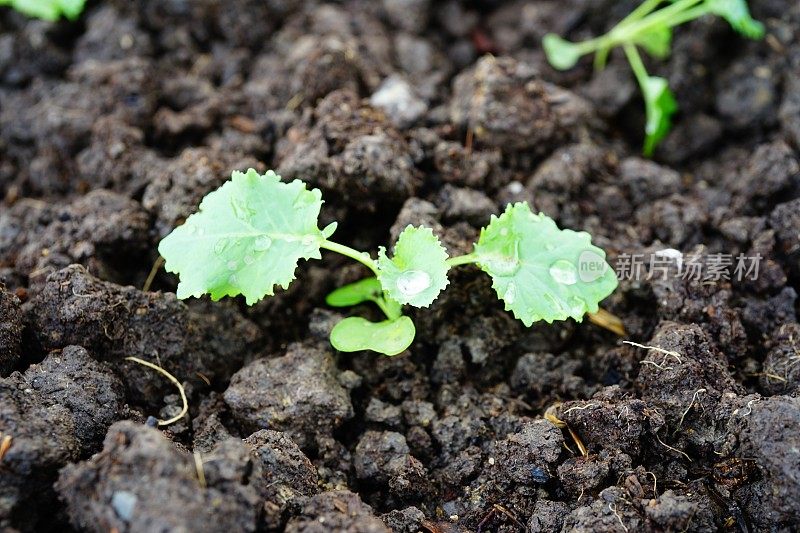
x: 649, y: 27
x: 249, y: 235
x: 47, y: 9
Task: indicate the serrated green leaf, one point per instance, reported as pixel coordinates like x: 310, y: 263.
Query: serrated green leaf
x: 247, y: 237
x: 656, y: 41
x: 561, y: 54
x: 540, y: 271
x: 660, y: 105
x: 738, y: 16
x: 50, y: 10
x: 418, y: 271
x: 389, y: 337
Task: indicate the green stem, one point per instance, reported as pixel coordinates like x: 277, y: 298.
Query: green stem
x: 689, y: 15
x: 626, y: 32
x: 362, y: 258
x: 662, y: 17
x: 462, y: 260
x: 391, y: 313
x: 645, y: 8
x: 636, y: 64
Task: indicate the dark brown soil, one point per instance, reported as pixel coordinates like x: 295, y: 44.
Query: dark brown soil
x: 112, y: 128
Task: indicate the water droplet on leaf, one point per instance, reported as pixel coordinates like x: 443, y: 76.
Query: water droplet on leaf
x: 564, y: 272
x: 233, y: 265
x: 220, y: 246
x: 262, y: 244
x: 413, y: 282
x: 576, y: 305
x: 506, y: 266
x: 248, y: 260
x: 242, y: 210
x: 511, y: 293
x: 554, y: 303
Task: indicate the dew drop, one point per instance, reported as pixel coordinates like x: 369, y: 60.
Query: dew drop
x: 201, y: 231
x: 564, y: 272
x: 232, y: 279
x: 576, y: 305
x: 550, y: 247
x: 413, y: 282
x: 511, y: 293
x: 504, y: 232
x: 220, y: 246
x: 190, y: 229
x: 242, y: 210
x: 248, y: 260
x: 506, y: 266
x: 233, y: 265
x: 554, y: 303
x: 308, y: 240
x: 262, y: 244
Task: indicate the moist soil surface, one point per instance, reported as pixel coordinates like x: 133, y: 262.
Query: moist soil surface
x: 113, y: 127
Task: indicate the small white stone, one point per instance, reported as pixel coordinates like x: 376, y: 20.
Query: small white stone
x: 397, y: 99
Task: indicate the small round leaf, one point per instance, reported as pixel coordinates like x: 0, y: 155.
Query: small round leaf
x: 389, y: 337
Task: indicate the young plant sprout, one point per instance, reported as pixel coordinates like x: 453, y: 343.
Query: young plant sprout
x: 649, y: 26
x: 249, y: 235
x: 51, y: 10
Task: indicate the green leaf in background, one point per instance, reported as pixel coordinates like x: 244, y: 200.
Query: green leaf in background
x: 660, y: 105
x: 418, y: 271
x: 738, y: 16
x: 47, y: 9
x: 389, y: 337
x: 247, y: 237
x: 540, y: 271
x: 561, y: 53
x: 657, y: 41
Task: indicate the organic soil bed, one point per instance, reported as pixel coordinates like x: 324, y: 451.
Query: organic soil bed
x: 113, y: 127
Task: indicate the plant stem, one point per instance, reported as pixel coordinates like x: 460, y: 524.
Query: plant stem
x: 645, y: 8
x: 462, y: 260
x: 629, y: 28
x: 381, y: 303
x: 662, y: 17
x: 636, y: 64
x: 362, y: 258
x: 689, y: 15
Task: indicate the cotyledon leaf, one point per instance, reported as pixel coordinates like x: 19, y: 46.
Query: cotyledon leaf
x: 656, y: 41
x: 540, y: 271
x: 738, y: 16
x: 246, y: 237
x: 389, y: 337
x: 363, y: 290
x: 660, y: 105
x: 418, y: 270
x: 47, y: 9
x: 561, y: 54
